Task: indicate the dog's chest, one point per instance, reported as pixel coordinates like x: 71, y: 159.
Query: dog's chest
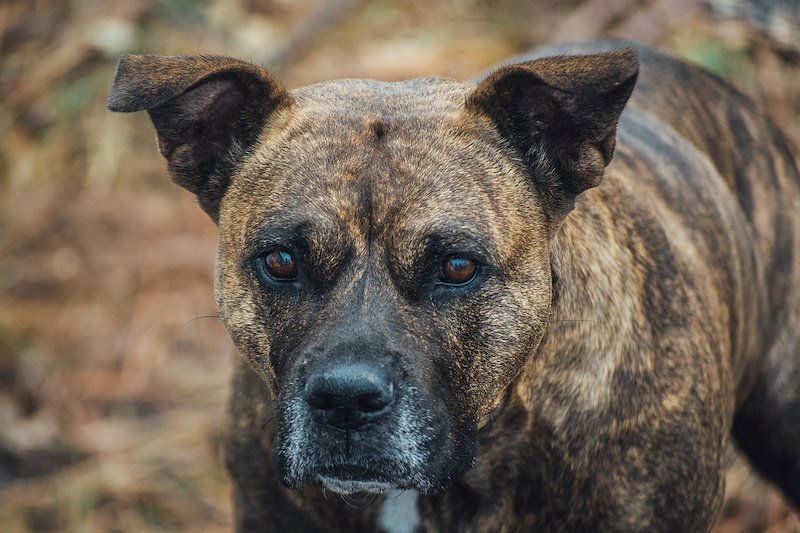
x: 399, y: 512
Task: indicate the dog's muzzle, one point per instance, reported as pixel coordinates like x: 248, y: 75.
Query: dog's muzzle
x: 353, y: 423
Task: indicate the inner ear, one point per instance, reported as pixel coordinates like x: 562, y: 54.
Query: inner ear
x: 206, y: 108
x: 200, y: 131
x: 207, y: 111
x: 525, y: 108
x: 561, y: 115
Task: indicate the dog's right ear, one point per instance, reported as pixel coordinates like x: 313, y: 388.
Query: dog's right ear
x: 207, y: 111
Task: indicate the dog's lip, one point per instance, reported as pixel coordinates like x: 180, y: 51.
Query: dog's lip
x: 352, y: 473
x: 347, y: 479
x: 350, y: 486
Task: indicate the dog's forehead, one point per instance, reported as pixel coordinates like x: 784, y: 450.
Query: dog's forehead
x: 389, y: 155
x: 389, y: 100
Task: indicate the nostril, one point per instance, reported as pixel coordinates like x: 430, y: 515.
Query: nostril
x: 319, y: 399
x: 375, y: 400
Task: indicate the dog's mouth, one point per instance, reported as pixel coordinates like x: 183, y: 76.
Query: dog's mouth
x: 349, y: 479
x: 413, y: 445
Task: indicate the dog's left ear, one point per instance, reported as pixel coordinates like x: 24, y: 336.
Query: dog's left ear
x: 561, y: 114
x: 207, y: 111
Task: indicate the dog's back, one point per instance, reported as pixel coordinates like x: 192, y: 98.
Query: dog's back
x: 760, y: 168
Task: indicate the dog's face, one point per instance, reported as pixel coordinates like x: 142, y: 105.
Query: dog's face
x: 383, y: 260
x: 383, y: 285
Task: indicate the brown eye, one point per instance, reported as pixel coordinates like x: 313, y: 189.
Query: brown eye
x: 280, y: 264
x: 458, y: 270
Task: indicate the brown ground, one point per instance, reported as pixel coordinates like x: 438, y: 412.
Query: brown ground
x: 112, y: 365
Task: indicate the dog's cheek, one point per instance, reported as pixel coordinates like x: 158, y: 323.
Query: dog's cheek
x: 237, y: 311
x: 265, y: 325
x: 491, y: 335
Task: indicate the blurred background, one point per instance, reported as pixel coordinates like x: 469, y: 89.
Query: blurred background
x: 113, y: 369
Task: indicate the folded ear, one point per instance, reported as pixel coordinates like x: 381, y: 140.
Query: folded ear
x: 561, y: 114
x: 207, y: 111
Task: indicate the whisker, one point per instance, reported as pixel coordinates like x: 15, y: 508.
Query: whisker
x: 462, y: 433
x: 216, y: 317
x: 269, y: 402
x: 267, y: 422
x: 355, y: 503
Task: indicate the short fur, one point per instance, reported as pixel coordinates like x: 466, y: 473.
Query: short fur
x: 587, y: 378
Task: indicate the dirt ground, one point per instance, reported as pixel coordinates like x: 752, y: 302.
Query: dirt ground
x: 113, y: 367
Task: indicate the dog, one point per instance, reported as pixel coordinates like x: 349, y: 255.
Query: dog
x: 447, y: 295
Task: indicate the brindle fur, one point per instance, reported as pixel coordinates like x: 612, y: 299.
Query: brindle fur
x: 591, y: 378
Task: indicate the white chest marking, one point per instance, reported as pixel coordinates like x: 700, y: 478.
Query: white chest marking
x: 399, y: 513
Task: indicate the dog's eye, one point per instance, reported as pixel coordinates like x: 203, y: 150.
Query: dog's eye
x: 279, y: 264
x: 458, y: 270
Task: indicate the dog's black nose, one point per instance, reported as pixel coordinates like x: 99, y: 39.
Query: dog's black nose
x: 349, y: 395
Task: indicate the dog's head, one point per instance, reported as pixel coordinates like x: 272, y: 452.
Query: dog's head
x: 383, y: 260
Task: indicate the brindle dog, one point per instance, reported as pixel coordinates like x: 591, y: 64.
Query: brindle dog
x: 433, y: 299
